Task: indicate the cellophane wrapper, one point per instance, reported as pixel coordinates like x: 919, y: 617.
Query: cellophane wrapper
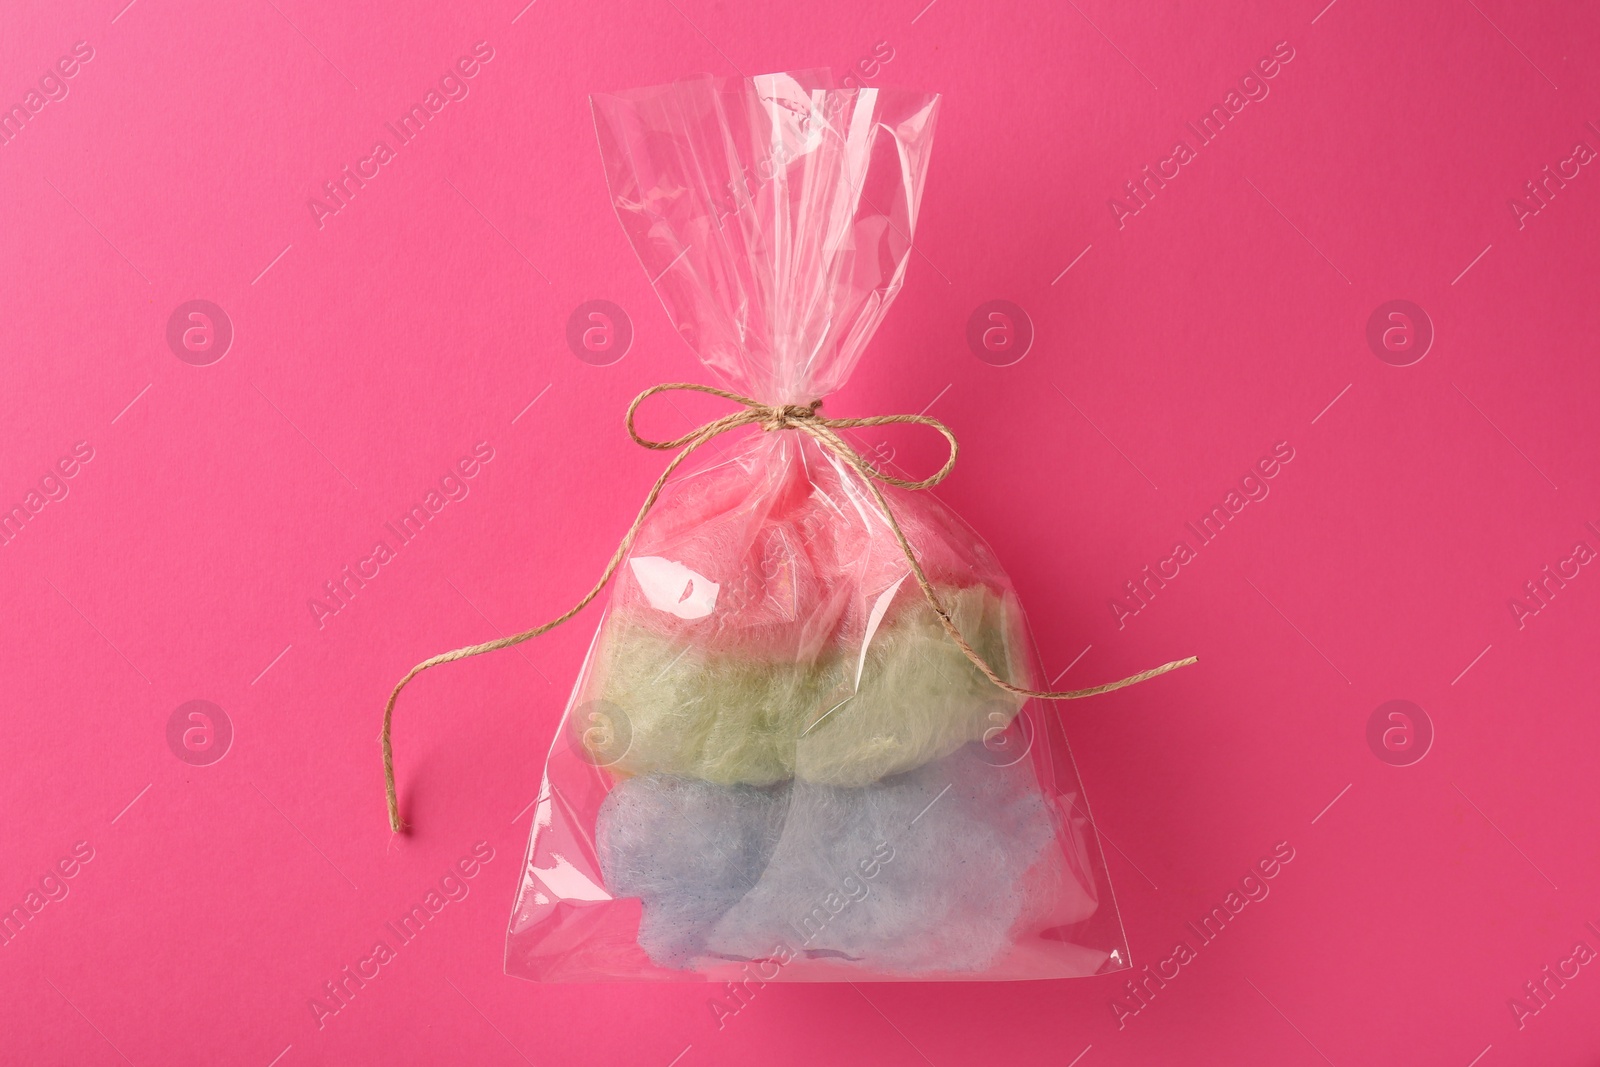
x: 776, y: 765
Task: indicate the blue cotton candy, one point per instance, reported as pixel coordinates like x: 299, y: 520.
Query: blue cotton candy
x: 920, y: 872
x: 689, y: 849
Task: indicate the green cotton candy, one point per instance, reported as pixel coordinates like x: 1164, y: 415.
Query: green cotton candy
x: 730, y: 718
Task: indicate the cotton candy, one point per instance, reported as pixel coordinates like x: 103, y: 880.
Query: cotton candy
x: 922, y: 872
x: 953, y: 841
x: 690, y: 849
x: 841, y: 718
x: 789, y: 550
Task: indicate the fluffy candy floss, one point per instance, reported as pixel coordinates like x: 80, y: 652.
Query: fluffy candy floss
x: 690, y: 849
x: 847, y: 717
x: 778, y: 552
x: 929, y: 871
x: 826, y: 663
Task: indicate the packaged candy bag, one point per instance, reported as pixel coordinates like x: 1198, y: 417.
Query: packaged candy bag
x: 802, y: 746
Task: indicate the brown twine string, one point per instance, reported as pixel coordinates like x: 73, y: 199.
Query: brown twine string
x: 801, y: 417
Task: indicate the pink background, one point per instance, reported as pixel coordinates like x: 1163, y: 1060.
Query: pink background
x: 370, y: 354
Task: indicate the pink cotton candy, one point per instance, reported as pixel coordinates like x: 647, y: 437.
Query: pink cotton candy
x: 797, y: 549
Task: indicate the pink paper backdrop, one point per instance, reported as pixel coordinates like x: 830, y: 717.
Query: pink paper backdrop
x: 183, y: 501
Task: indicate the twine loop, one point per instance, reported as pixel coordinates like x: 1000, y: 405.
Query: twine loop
x: 804, y: 418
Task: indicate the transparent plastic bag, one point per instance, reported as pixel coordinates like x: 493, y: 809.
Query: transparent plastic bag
x: 776, y: 765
